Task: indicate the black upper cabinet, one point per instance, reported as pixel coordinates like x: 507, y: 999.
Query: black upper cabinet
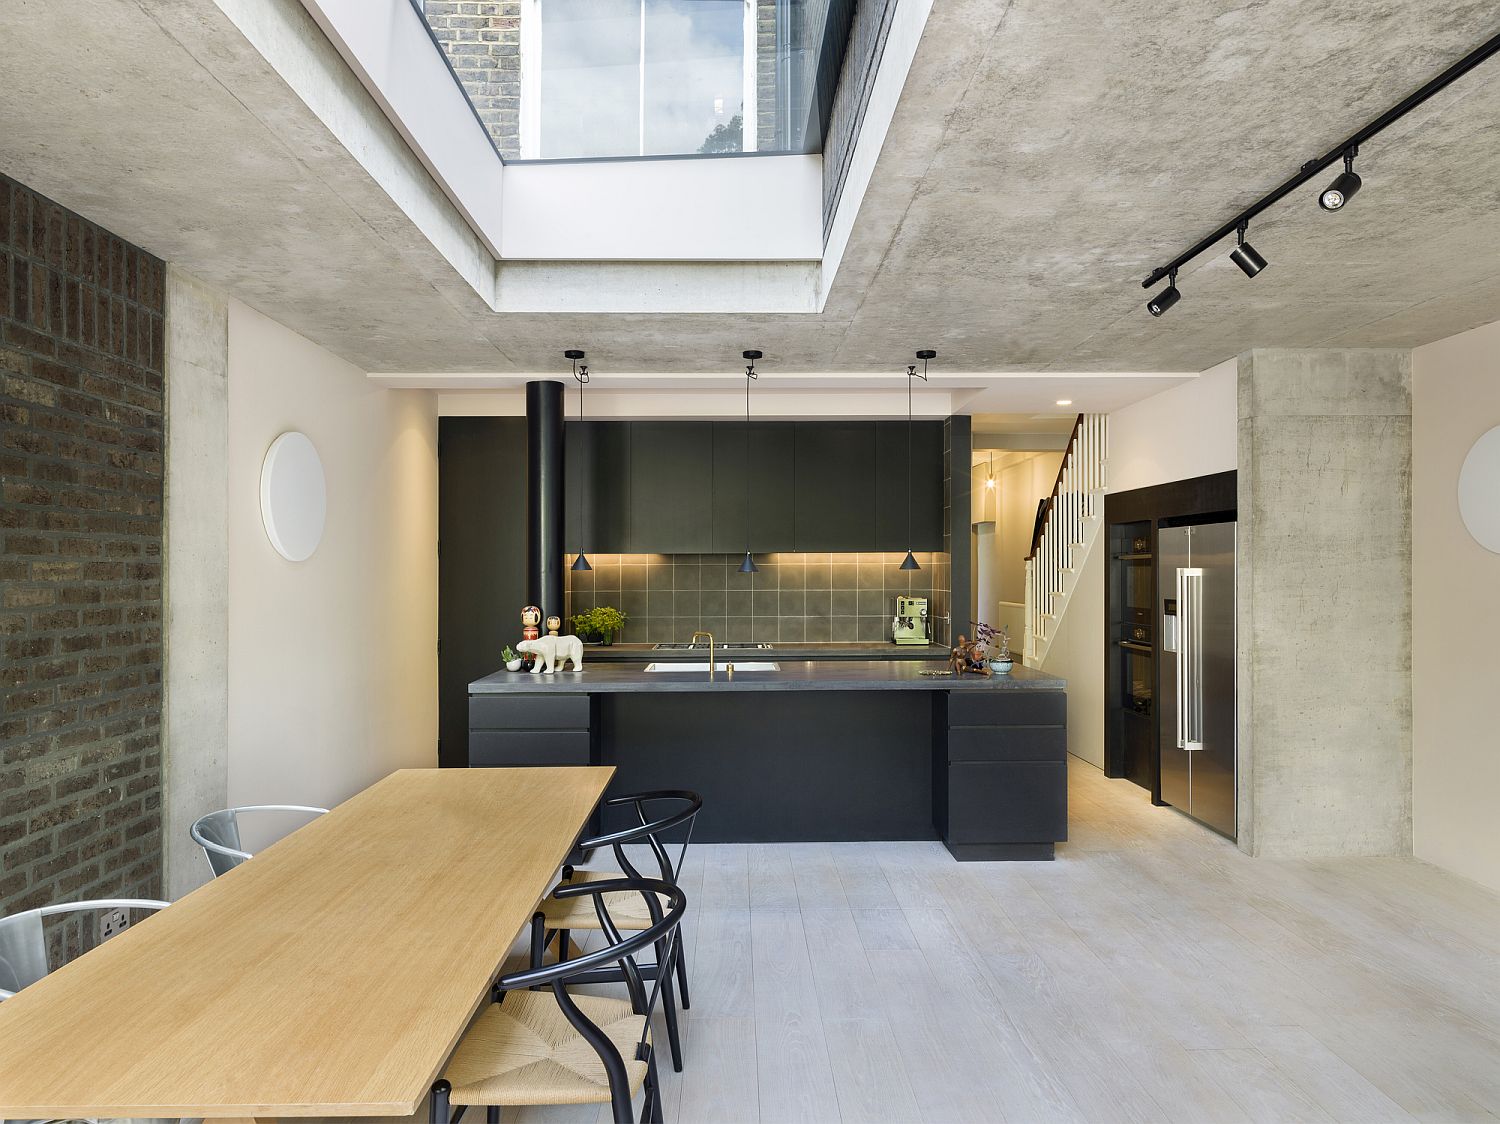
x: 597, y: 487
x: 671, y: 487
x: 834, y: 507
x: 771, y: 487
x: 926, y: 478
x: 679, y: 487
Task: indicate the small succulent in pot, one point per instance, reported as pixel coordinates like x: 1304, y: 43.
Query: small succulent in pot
x: 601, y: 624
x: 512, y: 659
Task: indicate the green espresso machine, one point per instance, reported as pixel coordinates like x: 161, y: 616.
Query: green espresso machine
x: 909, y: 626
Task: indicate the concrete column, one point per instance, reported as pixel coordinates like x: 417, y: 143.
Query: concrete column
x: 1325, y: 602
x: 195, y: 732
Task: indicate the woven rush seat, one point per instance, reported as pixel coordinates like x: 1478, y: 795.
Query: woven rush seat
x: 628, y: 911
x: 525, y: 1052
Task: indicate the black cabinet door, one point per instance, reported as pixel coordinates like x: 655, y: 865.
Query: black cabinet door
x: 671, y: 487
x: 596, y: 479
x: 925, y: 466
x: 772, y: 487
x: 835, y: 495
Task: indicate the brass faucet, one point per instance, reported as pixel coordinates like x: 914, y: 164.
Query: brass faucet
x: 710, y: 636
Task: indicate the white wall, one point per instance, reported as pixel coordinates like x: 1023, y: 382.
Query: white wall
x: 332, y: 661
x: 1020, y: 487
x: 1178, y: 434
x: 1455, y: 659
x: 1077, y: 654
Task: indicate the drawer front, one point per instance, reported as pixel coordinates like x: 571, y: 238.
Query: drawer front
x: 1005, y: 802
x: 528, y: 712
x: 1002, y: 707
x: 528, y: 747
x: 1007, y: 743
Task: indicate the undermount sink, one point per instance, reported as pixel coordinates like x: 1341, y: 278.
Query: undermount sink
x: 702, y: 668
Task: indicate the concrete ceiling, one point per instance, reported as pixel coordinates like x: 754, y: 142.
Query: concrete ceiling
x: 1043, y: 158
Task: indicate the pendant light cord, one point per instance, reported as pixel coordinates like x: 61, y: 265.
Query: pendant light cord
x: 750, y: 375
x: 911, y: 373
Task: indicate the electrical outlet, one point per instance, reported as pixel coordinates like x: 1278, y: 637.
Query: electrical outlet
x: 113, y: 921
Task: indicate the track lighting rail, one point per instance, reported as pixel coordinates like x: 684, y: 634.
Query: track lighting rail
x: 1332, y: 156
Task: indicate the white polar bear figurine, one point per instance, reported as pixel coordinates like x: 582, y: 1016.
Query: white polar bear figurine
x: 553, y: 652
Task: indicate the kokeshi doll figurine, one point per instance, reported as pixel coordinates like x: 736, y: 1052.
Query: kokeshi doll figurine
x: 531, y: 618
x: 554, y: 626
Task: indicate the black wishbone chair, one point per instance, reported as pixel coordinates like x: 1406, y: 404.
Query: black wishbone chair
x: 547, y: 1046
x: 567, y: 914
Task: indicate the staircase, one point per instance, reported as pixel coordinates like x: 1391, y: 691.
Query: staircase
x: 1065, y: 533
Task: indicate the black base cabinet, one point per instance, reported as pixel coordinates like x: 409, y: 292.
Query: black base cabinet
x: 1000, y: 773
x: 985, y: 772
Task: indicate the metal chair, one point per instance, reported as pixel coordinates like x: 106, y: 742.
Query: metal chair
x: 23, y: 945
x: 535, y: 1048
x: 23, y: 950
x: 218, y: 833
x: 567, y: 914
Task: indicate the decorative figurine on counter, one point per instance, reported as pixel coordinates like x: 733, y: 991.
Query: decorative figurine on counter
x: 531, y: 617
x: 554, y: 625
x: 552, y: 652
x: 958, y: 655
x: 967, y: 657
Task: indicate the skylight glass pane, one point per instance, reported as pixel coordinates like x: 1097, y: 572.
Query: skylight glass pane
x: 694, y: 76
x: 590, y: 99
x: 589, y: 79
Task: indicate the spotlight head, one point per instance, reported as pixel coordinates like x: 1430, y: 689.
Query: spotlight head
x: 1340, y: 191
x: 1343, y: 187
x: 1245, y: 256
x: 1164, y: 299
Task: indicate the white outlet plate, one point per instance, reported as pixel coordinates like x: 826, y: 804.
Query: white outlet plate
x: 111, y: 922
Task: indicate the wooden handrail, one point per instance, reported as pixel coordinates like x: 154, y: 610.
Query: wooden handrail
x: 1036, y: 535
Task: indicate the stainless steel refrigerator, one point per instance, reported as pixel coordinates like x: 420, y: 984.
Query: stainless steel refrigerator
x: 1196, y: 716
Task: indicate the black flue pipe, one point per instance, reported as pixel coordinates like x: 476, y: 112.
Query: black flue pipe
x: 544, y: 496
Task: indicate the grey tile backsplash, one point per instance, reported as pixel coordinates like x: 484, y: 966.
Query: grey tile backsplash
x: 794, y: 598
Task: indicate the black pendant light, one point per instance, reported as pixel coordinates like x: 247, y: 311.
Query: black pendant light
x: 748, y: 566
x: 580, y: 373
x: 910, y: 561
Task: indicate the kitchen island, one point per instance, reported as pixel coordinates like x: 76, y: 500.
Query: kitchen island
x: 804, y: 750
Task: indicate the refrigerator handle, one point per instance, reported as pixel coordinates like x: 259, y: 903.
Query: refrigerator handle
x: 1190, y: 658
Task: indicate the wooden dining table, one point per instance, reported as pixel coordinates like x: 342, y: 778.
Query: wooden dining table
x: 330, y: 975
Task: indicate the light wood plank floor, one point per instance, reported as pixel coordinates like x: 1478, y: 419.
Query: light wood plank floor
x: 1151, y: 973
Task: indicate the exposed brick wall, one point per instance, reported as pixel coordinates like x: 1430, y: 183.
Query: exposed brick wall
x: 81, y: 448
x: 483, y: 42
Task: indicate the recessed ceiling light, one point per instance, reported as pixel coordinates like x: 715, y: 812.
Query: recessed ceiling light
x: 1065, y: 401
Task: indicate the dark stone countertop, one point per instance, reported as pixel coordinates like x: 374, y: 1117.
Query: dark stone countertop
x: 644, y: 653
x: 794, y: 675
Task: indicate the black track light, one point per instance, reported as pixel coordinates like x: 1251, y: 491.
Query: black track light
x: 1166, y: 298
x: 1245, y: 256
x: 1344, y: 186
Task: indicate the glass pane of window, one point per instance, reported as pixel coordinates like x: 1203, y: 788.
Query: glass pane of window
x: 590, y: 78
x: 694, y: 76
